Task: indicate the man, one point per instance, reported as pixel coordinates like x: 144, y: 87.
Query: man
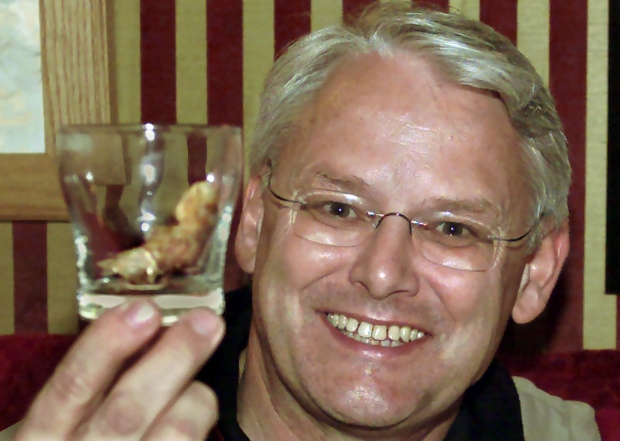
x: 407, y: 197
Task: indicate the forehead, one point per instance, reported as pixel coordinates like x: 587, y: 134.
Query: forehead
x: 395, y: 122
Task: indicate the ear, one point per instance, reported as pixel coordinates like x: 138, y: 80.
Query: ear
x: 540, y: 275
x: 246, y: 242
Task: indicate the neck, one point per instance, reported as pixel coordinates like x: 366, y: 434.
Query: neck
x: 259, y: 414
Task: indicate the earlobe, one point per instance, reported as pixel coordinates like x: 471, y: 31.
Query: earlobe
x: 540, y: 275
x: 246, y: 242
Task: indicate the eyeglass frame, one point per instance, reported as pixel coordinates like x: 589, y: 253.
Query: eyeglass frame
x: 411, y: 223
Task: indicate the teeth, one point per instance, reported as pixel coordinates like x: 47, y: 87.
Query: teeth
x: 394, y: 333
x: 352, y: 325
x: 405, y: 334
x: 365, y: 330
x: 333, y: 319
x: 379, y: 332
x: 342, y: 322
x: 374, y: 334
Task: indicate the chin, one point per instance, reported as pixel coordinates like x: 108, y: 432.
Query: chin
x: 363, y: 418
x: 362, y: 407
x: 371, y: 419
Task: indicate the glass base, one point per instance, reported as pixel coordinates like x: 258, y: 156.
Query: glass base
x: 172, y: 306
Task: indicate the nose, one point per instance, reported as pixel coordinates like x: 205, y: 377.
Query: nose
x: 385, y: 264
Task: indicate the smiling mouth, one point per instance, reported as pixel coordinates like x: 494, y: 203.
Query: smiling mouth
x: 376, y: 335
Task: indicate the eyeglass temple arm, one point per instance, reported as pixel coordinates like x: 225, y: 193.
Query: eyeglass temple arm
x: 277, y: 196
x: 514, y: 239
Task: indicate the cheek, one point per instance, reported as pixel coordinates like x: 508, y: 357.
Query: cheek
x: 288, y: 270
x: 290, y: 262
x: 473, y: 305
x: 467, y: 297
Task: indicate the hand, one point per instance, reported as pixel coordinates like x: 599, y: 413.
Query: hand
x: 127, y: 379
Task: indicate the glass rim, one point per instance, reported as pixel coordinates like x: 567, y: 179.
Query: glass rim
x: 135, y: 127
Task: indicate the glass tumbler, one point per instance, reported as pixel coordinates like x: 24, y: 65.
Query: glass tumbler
x: 151, y: 209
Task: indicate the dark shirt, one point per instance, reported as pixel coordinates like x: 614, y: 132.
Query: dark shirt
x: 490, y: 410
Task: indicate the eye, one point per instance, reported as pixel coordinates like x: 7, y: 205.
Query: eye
x: 454, y: 229
x: 338, y: 209
x: 454, y: 233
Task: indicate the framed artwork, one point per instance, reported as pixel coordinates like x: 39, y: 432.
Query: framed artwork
x: 21, y: 88
x: 75, y: 89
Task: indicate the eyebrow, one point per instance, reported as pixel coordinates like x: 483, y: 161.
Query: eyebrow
x: 346, y: 184
x: 358, y: 186
x: 476, y: 206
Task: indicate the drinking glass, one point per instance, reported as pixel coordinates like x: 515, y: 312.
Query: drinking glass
x: 151, y: 209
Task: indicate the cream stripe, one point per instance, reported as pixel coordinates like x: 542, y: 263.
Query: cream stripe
x: 533, y: 34
x: 125, y: 64
x: 191, y: 61
x: 599, y: 328
x: 7, y: 316
x: 62, y: 315
x: 325, y: 13
x: 469, y: 8
x: 258, y: 42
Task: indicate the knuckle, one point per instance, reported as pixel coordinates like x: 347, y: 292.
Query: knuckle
x: 192, y: 416
x: 184, y: 350
x: 122, y: 416
x: 182, y: 357
x: 70, y: 385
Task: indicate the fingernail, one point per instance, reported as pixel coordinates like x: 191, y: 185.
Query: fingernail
x: 139, y: 313
x: 204, y: 324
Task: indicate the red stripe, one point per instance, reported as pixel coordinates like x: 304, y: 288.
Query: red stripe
x: 568, y: 65
x: 225, y: 61
x: 353, y: 8
x: 225, y: 91
x: 501, y: 16
x: 158, y: 63
x: 30, y: 276
x: 292, y: 20
x: 196, y: 159
x: 443, y: 5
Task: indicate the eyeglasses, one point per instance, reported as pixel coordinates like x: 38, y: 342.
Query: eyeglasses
x: 343, y: 220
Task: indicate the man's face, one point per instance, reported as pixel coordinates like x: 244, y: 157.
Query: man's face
x: 392, y: 132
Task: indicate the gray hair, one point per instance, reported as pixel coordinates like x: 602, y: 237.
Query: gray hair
x: 465, y: 51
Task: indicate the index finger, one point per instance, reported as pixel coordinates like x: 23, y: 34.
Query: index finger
x: 89, y: 368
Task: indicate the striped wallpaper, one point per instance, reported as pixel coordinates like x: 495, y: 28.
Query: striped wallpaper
x: 203, y: 61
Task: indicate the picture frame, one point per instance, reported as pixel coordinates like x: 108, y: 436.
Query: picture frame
x: 76, y: 90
